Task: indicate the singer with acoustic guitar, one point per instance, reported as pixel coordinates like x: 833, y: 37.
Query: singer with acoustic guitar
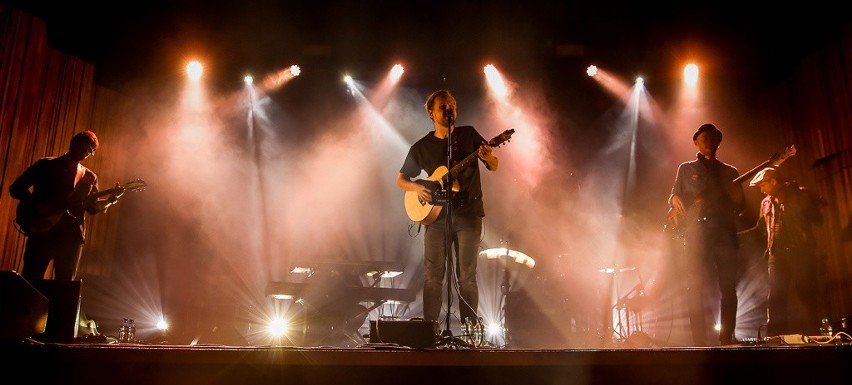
x: 429, y: 154
x: 51, y: 215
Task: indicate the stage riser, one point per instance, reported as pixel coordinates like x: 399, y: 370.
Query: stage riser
x: 108, y: 364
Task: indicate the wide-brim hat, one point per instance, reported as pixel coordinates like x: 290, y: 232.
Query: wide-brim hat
x: 763, y: 176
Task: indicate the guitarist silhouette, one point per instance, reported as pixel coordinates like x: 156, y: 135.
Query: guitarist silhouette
x: 54, y: 195
x: 710, y: 244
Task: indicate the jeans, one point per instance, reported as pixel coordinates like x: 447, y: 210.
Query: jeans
x: 466, y: 236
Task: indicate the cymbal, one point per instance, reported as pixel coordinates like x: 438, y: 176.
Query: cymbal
x: 508, y: 254
x: 616, y: 269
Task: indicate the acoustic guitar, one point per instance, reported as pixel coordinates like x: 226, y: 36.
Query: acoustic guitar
x: 424, y: 212
x: 37, y: 219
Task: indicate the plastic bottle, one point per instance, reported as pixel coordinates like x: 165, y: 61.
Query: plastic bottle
x: 825, y: 328
x: 123, y: 330
x: 478, y: 334
x: 131, y: 331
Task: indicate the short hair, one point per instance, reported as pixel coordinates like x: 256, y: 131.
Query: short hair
x: 431, y: 98
x: 84, y: 137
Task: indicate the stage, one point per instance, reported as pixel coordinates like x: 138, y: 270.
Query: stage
x: 114, y: 363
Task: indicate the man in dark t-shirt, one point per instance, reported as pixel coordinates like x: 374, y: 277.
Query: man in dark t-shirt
x: 428, y: 202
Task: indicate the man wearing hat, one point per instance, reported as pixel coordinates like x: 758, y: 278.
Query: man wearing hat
x: 788, y: 214
x: 704, y: 205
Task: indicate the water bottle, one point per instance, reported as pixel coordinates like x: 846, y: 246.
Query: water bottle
x: 825, y: 328
x: 473, y: 332
x: 123, y: 330
x: 478, y: 334
x: 131, y: 331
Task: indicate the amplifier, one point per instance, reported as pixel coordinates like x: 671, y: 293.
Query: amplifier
x: 417, y: 334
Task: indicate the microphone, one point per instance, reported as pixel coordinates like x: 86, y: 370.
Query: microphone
x: 449, y: 114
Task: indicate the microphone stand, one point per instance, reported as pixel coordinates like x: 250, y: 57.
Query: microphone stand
x: 448, y: 232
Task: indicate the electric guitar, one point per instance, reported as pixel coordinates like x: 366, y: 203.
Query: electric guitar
x: 36, y: 219
x: 678, y: 224
x: 424, y: 212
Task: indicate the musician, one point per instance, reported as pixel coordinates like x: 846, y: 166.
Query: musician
x: 428, y: 154
x: 788, y: 215
x: 61, y: 187
x: 705, y: 203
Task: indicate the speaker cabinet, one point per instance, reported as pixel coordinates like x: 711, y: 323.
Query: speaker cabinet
x: 23, y: 309
x: 63, y: 310
x: 416, y: 334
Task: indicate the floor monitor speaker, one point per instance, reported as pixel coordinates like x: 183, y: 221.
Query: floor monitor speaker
x: 63, y: 310
x: 23, y: 309
x: 416, y: 334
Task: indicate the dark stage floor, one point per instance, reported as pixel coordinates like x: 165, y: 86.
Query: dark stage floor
x: 95, y: 363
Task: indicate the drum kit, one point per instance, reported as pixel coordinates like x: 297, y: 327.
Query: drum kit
x: 510, y: 258
x: 626, y: 309
x: 509, y: 255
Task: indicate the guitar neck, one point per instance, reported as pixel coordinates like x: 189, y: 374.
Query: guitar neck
x: 454, y: 172
x: 494, y: 142
x: 103, y: 193
x: 774, y: 160
x: 750, y: 173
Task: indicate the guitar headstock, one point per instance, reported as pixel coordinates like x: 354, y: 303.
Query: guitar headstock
x: 135, y: 185
x: 502, y: 138
x: 779, y: 158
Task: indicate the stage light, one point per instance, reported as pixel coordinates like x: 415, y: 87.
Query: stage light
x: 277, y: 327
x: 248, y: 80
x: 494, y: 329
x: 162, y: 324
x: 690, y: 74
x: 295, y: 70
x: 396, y: 72
x: 194, y: 70
x: 495, y: 81
x: 350, y: 83
x: 640, y: 81
x: 592, y: 70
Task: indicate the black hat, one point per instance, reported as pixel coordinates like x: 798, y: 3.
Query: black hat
x: 708, y: 128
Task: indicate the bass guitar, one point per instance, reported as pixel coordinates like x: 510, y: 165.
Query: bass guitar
x: 678, y: 224
x: 424, y: 212
x: 37, y: 219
